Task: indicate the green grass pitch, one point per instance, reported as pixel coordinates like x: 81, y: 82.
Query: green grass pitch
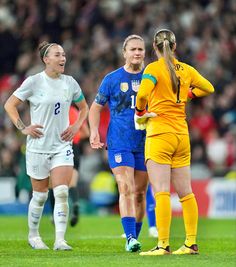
x: 96, y: 242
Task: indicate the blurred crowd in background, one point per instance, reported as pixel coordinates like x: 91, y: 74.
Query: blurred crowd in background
x: 92, y: 33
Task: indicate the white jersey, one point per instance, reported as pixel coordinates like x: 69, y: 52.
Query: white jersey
x: 50, y: 100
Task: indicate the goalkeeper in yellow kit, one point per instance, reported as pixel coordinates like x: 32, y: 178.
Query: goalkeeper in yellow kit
x: 166, y: 86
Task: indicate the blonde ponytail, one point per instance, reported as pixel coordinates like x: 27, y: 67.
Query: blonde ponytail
x: 164, y: 40
x: 169, y: 59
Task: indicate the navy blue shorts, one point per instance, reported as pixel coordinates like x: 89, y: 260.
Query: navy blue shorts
x: 134, y: 160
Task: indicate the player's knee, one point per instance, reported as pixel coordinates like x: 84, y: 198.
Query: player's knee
x: 40, y: 197
x: 140, y: 196
x: 124, y: 188
x: 61, y: 193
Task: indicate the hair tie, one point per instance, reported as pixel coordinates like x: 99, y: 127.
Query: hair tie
x: 49, y: 45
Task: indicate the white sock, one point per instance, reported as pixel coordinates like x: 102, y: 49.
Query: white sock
x: 35, y: 212
x: 61, y: 210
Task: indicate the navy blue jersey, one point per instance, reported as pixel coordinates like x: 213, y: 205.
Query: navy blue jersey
x: 119, y: 89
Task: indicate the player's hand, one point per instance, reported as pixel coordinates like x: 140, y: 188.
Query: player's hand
x: 95, y: 140
x: 191, y: 95
x: 33, y: 131
x: 70, y: 132
x: 141, y: 119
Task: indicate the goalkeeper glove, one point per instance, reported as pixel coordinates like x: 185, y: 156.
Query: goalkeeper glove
x: 191, y: 95
x: 141, y: 118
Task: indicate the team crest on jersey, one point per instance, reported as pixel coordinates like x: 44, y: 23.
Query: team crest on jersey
x: 124, y: 87
x: 135, y: 85
x: 118, y: 158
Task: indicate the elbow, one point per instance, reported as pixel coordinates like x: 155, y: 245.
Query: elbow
x: 6, y: 106
x: 211, y: 89
x: 142, y: 105
x: 141, y: 97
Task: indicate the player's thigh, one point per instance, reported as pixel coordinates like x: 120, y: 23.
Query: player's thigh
x: 141, y: 181
x: 62, y: 167
x: 159, y: 176
x: 40, y: 185
x: 124, y: 176
x: 181, y: 174
x: 61, y: 175
x: 38, y: 165
x: 75, y: 178
x: 38, y: 168
x: 182, y: 155
x: 140, y: 172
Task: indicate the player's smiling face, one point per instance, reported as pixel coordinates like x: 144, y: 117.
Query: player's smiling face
x: 55, y: 59
x: 134, y: 52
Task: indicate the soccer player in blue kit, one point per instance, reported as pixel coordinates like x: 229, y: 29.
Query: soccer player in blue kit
x: 125, y: 145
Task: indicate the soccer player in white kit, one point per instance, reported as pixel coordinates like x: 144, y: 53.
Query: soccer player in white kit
x: 49, y: 138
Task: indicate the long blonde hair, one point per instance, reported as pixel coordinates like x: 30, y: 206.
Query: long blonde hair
x: 164, y: 41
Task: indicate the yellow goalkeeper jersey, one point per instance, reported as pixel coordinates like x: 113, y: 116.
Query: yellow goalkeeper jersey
x: 156, y: 92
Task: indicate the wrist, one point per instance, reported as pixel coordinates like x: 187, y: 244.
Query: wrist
x: 22, y: 128
x: 94, y: 131
x: 20, y: 125
x: 191, y: 94
x: 140, y: 112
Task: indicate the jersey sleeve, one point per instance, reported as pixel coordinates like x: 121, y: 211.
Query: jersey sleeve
x: 150, y: 74
x: 25, y: 90
x: 78, y: 94
x: 149, y: 81
x: 202, y: 86
x: 103, y: 92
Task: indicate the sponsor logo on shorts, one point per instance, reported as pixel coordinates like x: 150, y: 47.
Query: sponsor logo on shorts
x: 68, y: 152
x: 118, y: 158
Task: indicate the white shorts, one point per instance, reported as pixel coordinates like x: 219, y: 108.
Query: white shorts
x: 39, y: 165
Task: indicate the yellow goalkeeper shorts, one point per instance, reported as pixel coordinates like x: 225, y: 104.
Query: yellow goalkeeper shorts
x: 168, y: 148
